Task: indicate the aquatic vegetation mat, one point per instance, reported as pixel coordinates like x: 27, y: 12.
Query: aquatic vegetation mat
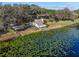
x: 59, y: 42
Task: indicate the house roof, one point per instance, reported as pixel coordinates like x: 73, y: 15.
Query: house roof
x: 20, y: 27
x: 39, y: 22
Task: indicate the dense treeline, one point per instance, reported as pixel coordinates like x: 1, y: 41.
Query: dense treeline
x: 27, y: 13
x: 23, y: 13
x: 65, y: 14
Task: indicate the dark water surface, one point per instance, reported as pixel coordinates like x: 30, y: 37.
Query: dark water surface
x: 73, y: 33
x: 72, y: 37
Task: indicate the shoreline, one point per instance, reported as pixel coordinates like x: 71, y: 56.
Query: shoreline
x: 28, y: 31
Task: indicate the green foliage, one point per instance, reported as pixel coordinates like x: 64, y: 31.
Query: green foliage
x: 23, y: 13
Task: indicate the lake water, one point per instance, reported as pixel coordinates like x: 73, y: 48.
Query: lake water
x: 70, y: 39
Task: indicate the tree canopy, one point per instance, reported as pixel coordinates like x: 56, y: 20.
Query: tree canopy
x: 23, y: 13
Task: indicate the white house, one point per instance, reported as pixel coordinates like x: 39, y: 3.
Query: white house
x: 39, y: 23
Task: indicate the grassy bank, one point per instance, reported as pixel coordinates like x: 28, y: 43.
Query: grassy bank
x: 51, y: 25
x: 54, y: 25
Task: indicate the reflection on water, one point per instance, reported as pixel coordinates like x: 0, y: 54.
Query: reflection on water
x: 71, y: 37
